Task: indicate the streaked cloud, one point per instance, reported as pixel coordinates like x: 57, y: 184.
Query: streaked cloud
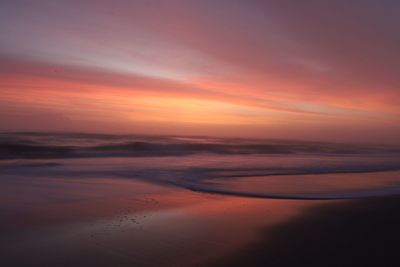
x: 263, y: 68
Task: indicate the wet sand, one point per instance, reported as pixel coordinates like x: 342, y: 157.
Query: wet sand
x: 121, y: 222
x: 355, y: 233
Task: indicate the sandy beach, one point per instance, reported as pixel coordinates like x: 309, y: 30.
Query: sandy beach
x: 110, y: 222
x: 120, y: 222
x: 352, y: 233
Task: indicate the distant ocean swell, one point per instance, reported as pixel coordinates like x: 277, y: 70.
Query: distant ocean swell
x: 53, y: 146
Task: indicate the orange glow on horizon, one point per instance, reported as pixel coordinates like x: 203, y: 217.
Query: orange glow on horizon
x: 270, y: 77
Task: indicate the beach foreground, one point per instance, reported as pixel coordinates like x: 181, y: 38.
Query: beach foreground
x: 354, y: 233
x: 120, y: 222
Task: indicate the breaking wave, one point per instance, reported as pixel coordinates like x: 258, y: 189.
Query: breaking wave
x: 62, y: 145
x: 239, y: 167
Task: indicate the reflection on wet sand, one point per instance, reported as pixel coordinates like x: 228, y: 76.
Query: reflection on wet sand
x: 109, y: 222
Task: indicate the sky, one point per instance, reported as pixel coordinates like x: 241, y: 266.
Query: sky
x: 313, y: 69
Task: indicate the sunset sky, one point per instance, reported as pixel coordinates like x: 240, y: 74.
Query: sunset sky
x: 315, y: 70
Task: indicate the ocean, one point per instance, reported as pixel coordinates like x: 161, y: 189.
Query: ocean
x: 230, y: 166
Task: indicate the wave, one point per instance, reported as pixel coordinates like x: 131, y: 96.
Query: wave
x: 52, y: 146
x: 372, y: 193
x: 203, y: 164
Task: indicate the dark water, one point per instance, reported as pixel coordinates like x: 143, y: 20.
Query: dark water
x: 285, y: 169
x: 77, y: 145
